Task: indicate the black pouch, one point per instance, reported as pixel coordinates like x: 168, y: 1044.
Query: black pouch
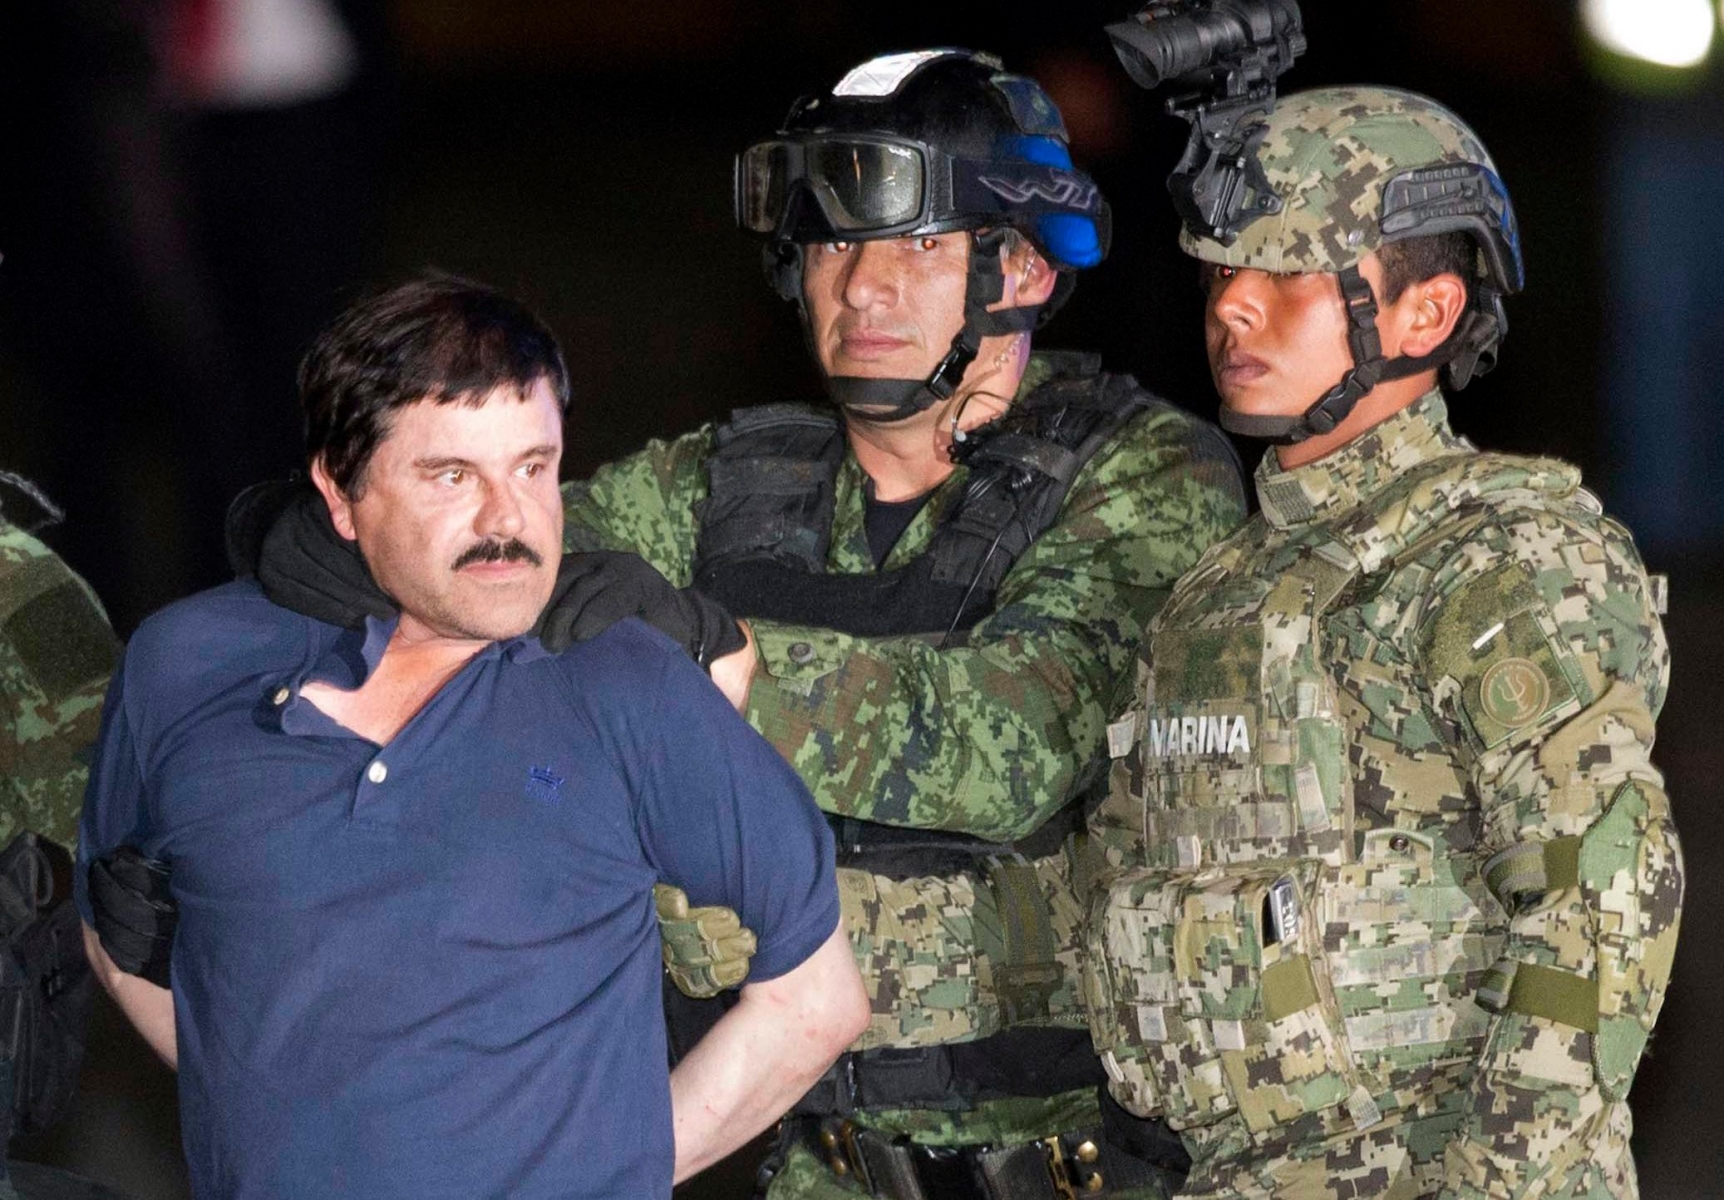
x: 45, y: 983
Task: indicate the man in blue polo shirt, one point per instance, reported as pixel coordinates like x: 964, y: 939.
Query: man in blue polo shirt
x: 417, y: 952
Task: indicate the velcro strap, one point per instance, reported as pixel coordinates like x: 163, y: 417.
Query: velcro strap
x: 764, y: 416
x: 1030, y: 973
x: 1288, y: 987
x: 1535, y: 991
x: 1533, y: 868
x: 765, y: 476
x: 1037, y: 454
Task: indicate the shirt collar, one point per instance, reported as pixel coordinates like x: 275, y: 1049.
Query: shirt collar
x: 348, y: 656
x: 1354, y: 473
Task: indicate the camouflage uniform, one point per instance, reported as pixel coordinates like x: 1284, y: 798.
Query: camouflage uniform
x: 56, y: 651
x: 1418, y: 692
x: 1385, y: 892
x: 990, y: 736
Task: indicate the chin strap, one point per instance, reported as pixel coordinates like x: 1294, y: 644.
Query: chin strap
x: 984, y: 284
x: 1369, y: 369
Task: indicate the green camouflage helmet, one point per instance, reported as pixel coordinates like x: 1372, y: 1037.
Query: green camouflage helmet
x: 1356, y: 167
x: 1347, y: 170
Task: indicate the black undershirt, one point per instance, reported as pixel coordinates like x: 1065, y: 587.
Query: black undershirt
x: 885, y: 522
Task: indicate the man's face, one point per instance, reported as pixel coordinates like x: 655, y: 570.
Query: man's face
x: 460, y: 519
x: 1277, y: 342
x: 885, y: 309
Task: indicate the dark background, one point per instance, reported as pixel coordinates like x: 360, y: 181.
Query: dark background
x: 168, y: 256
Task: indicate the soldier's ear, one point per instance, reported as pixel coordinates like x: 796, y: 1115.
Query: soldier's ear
x: 340, y: 506
x: 1432, y: 309
x: 1035, y: 277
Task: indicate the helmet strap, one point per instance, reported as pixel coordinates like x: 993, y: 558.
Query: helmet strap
x: 1368, y: 370
x: 984, y: 284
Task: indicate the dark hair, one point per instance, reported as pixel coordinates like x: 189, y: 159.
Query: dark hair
x: 1416, y: 259
x: 437, y: 337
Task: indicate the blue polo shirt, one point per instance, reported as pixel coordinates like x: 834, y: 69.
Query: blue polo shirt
x: 431, y: 968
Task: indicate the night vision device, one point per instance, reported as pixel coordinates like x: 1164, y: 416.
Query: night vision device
x: 1225, y: 55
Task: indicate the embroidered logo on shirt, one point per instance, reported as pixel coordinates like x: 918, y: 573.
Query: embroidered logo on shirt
x: 544, y: 785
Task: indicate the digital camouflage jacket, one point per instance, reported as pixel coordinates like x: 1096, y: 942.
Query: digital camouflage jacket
x: 1386, y: 890
x: 988, y: 736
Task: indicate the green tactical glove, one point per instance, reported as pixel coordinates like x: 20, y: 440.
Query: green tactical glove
x: 705, y: 949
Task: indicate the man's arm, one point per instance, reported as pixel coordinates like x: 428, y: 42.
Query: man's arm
x: 764, y: 1054
x: 1556, y: 709
x: 149, y: 1008
x: 992, y: 734
x: 987, y: 736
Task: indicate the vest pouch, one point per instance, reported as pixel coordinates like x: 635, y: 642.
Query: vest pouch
x: 1215, y: 998
x: 1407, y: 932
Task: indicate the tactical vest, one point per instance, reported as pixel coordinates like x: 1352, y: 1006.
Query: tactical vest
x: 1249, y: 951
x: 765, y: 530
x: 766, y: 524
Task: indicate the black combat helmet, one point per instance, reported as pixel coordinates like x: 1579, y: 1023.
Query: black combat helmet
x: 925, y: 142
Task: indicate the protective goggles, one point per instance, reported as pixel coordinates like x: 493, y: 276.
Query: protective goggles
x: 873, y: 187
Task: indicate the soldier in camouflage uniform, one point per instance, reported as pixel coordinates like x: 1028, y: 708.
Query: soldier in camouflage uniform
x: 939, y: 642
x: 55, y: 654
x: 1386, y: 886
x: 56, y: 651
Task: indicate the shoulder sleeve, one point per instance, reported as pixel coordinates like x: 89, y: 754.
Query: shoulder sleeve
x: 992, y: 734
x: 724, y: 818
x: 644, y: 504
x: 1548, y: 663
x: 56, y: 651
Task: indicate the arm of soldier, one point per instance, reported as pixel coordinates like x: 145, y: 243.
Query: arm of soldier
x: 55, y: 658
x: 990, y: 735
x: 964, y: 956
x: 643, y: 504
x: 149, y: 1008
x: 933, y: 951
x: 1546, y: 655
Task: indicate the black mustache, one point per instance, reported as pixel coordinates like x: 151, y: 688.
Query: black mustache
x: 513, y: 550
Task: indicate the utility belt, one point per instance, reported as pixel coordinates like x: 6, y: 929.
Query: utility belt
x: 1062, y: 1166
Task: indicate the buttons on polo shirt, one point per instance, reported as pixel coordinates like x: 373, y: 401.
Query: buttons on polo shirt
x: 282, y: 695
x: 377, y: 772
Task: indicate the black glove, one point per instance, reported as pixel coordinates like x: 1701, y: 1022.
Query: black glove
x: 135, y: 912
x: 598, y: 588
x: 280, y: 532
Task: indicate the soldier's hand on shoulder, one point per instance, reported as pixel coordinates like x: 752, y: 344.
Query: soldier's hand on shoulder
x: 598, y: 588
